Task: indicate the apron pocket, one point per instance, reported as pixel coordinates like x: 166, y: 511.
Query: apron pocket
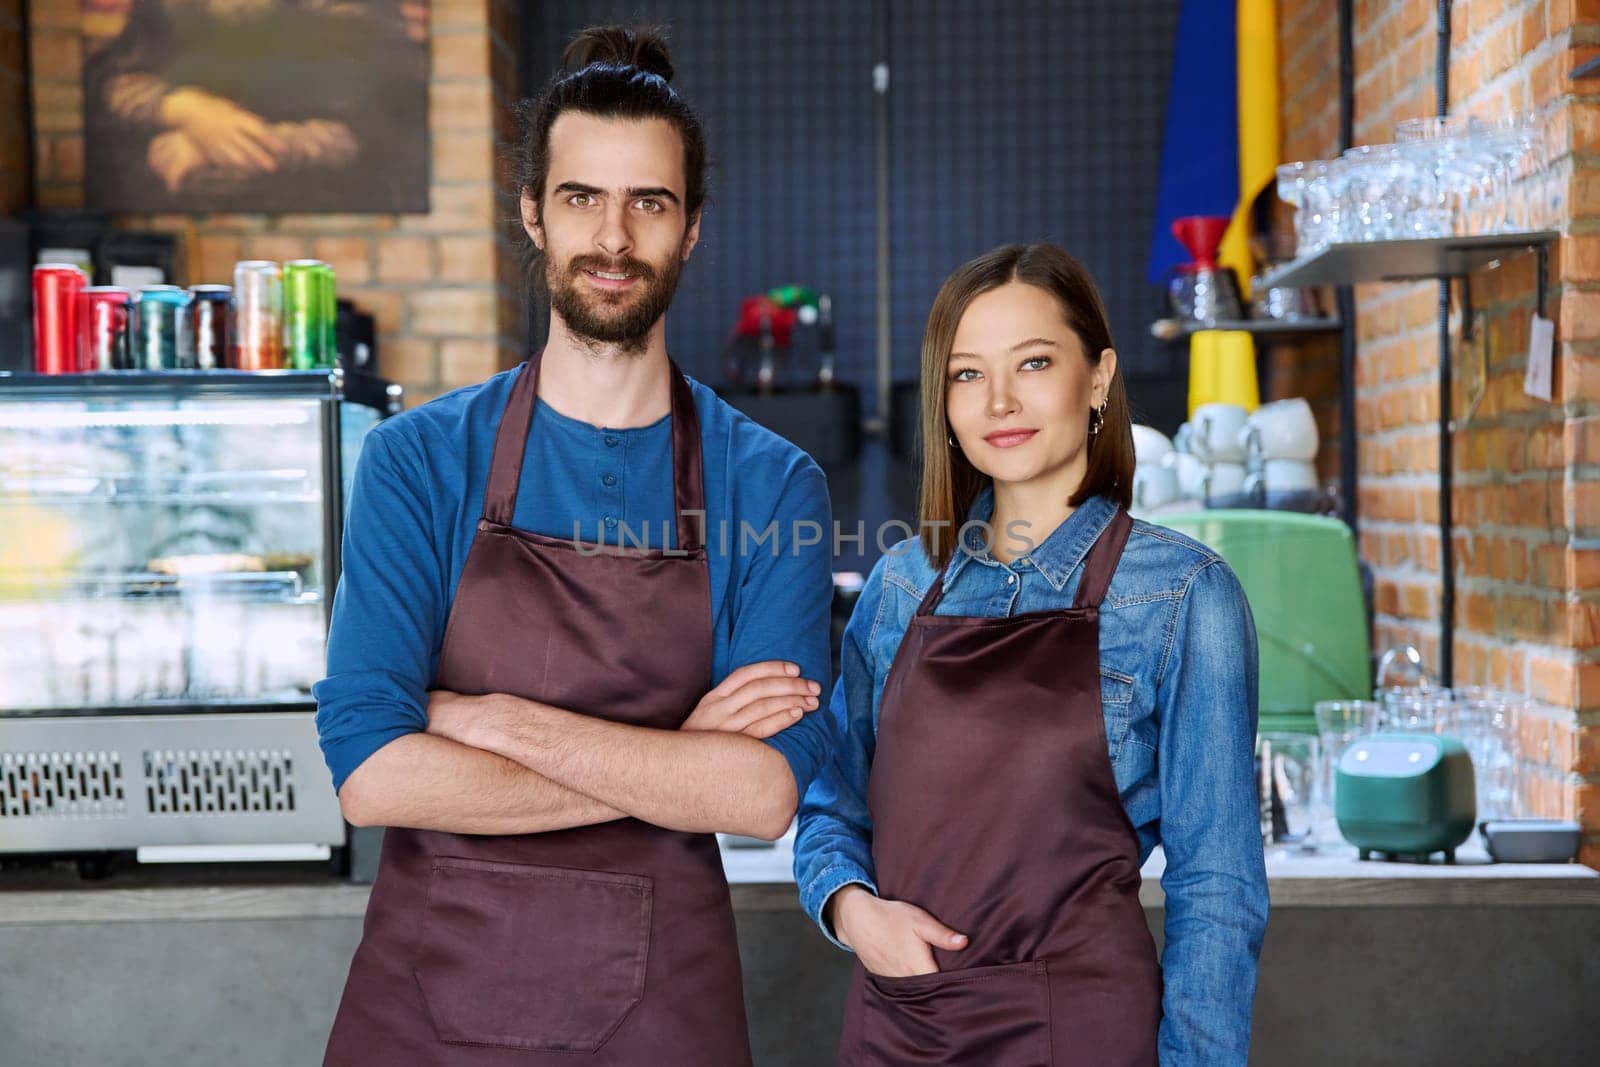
x: 541, y: 958
x: 975, y: 1017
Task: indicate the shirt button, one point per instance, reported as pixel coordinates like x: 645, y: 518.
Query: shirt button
x: 1011, y: 579
x: 611, y: 520
x: 611, y: 440
x: 609, y: 479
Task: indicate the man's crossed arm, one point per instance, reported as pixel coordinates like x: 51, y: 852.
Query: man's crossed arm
x: 499, y: 764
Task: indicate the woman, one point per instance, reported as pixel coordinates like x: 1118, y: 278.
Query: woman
x: 1029, y: 702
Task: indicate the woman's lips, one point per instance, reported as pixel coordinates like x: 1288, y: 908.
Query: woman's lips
x: 1008, y: 438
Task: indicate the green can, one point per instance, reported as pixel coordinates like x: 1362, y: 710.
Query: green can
x: 308, y: 303
x: 330, y: 317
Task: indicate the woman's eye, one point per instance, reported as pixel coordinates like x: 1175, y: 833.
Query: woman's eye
x: 1036, y: 362
x: 963, y: 376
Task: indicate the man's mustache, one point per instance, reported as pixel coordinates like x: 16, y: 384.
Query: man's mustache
x: 636, y: 267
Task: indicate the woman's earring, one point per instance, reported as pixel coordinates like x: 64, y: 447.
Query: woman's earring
x: 952, y: 439
x: 1097, y: 418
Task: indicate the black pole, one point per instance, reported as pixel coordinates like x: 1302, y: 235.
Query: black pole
x: 1344, y: 295
x: 1447, y: 574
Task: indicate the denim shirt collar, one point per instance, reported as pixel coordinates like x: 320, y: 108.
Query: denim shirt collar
x: 1055, y: 558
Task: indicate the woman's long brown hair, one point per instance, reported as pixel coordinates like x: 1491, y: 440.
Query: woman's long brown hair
x: 949, y: 482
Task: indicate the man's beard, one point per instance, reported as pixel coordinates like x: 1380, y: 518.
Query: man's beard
x: 623, y: 319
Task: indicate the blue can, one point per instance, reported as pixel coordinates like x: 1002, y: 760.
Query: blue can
x: 163, y: 333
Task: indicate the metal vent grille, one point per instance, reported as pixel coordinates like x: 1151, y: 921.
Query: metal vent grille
x: 195, y: 781
x: 61, y: 785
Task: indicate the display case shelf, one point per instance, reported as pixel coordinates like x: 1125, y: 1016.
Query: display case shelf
x: 1404, y: 260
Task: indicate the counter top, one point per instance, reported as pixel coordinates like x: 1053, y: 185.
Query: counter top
x: 762, y: 880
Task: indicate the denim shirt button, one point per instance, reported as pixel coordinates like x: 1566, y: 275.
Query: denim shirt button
x: 608, y: 479
x: 1011, y: 579
x: 611, y: 440
x: 611, y: 520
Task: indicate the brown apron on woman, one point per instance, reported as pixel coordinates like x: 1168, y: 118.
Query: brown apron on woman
x: 994, y: 808
x: 609, y: 944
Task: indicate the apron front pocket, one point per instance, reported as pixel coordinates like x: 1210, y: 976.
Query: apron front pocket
x: 975, y: 1017
x: 531, y: 957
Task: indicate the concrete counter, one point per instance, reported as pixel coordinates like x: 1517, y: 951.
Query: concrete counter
x: 1367, y: 963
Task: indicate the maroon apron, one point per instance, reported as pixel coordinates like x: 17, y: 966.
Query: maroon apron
x: 609, y: 944
x: 994, y: 807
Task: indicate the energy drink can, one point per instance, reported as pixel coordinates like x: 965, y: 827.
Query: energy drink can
x: 257, y: 315
x: 307, y: 325
x: 105, y: 315
x: 56, y: 326
x: 163, y: 338
x: 209, y: 316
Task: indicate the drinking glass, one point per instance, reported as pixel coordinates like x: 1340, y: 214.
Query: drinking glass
x: 1290, y: 789
x: 1339, y: 722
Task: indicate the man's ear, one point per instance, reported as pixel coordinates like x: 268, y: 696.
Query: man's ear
x: 691, y: 236
x: 530, y: 219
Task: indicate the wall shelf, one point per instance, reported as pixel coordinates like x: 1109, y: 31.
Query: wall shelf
x: 1269, y: 329
x: 1405, y: 260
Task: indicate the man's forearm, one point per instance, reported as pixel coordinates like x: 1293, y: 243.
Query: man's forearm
x: 691, y: 780
x: 425, y: 782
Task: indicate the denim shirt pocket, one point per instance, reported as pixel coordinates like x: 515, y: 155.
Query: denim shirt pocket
x: 1116, y: 701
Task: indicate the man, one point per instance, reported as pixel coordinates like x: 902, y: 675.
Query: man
x: 567, y: 556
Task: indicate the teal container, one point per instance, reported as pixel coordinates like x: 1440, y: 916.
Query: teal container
x: 1405, y: 794
x: 163, y: 336
x: 1300, y: 575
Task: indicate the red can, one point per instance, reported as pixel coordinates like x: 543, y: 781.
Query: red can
x: 103, y: 319
x: 55, y: 317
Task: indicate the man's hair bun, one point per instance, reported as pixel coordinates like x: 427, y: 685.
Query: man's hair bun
x: 644, y: 47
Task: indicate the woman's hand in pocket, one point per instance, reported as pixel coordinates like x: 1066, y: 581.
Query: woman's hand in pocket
x: 757, y: 700
x: 893, y: 939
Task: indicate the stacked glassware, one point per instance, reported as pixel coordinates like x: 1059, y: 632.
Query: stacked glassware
x: 1442, y: 177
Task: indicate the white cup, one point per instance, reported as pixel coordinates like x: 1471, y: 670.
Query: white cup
x: 1216, y: 432
x: 1223, y: 479
x: 1288, y: 474
x: 1191, y: 472
x: 1283, y: 429
x: 1154, y: 485
x: 1149, y: 445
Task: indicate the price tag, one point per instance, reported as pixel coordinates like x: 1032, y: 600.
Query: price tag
x: 1541, y: 358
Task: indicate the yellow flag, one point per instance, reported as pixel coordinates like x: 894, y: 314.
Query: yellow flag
x: 1259, y: 153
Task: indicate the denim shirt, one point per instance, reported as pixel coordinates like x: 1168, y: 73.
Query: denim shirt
x: 1178, y: 690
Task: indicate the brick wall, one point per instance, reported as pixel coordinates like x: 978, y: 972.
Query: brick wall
x: 15, y: 157
x: 1527, y: 482
x: 435, y: 282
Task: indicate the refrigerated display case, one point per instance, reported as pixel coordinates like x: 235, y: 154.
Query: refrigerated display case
x: 169, y: 546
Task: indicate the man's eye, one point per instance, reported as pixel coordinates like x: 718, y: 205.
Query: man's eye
x: 580, y: 200
x: 650, y: 205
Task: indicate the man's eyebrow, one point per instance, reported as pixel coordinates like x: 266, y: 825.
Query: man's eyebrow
x: 634, y: 193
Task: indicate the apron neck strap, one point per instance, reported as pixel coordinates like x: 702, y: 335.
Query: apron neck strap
x: 511, y: 444
x: 1101, y: 563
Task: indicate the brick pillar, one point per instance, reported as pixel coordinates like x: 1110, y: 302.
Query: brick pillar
x: 433, y: 281
x: 1527, y: 483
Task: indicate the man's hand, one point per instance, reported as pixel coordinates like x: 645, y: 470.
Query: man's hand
x: 466, y: 720
x: 893, y: 939
x: 757, y: 700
